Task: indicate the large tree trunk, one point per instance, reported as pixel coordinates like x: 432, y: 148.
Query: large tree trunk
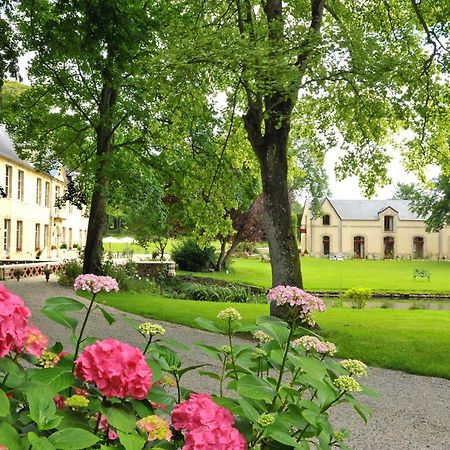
x: 93, y: 253
x: 284, y: 254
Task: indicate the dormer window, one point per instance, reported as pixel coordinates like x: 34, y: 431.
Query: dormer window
x: 326, y: 219
x: 388, y: 223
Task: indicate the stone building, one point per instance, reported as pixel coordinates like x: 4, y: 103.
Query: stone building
x: 371, y: 229
x: 30, y: 223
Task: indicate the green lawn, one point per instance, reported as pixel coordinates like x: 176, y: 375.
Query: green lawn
x: 322, y: 274
x: 413, y: 341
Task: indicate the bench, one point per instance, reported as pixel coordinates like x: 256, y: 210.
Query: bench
x: 421, y: 273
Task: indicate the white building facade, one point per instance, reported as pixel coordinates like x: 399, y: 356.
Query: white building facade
x: 30, y: 223
x: 371, y: 229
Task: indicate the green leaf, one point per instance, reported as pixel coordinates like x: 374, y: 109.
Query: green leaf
x: 59, y: 317
x: 168, y: 355
x: 131, y: 441
x: 120, y: 418
x: 277, y: 330
x: 42, y: 407
x: 255, y: 388
x: 72, y: 419
x: 190, y: 369
x: 157, y: 394
x: 73, y: 439
x: 63, y: 304
x: 156, y: 369
x: 310, y: 416
x: 309, y: 364
x: 249, y: 410
x: 212, y: 375
x: 39, y: 443
x: 57, y: 378
x: 280, y: 435
x: 108, y: 317
x: 208, y: 325
x: 7, y: 365
x: 4, y: 404
x: 9, y: 437
x: 209, y: 350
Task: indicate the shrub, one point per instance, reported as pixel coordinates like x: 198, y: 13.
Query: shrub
x: 127, y: 277
x: 190, y: 256
x: 246, y: 248
x: 70, y: 270
x: 214, y: 293
x: 114, y: 395
x: 358, y: 296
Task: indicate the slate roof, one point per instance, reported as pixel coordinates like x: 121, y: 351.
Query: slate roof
x: 369, y: 209
x: 7, y: 149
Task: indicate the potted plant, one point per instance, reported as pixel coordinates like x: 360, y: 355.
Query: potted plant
x: 47, y: 273
x: 38, y: 253
x: 17, y: 274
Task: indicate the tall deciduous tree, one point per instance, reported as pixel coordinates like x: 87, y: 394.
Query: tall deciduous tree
x: 91, y: 97
x: 327, y: 68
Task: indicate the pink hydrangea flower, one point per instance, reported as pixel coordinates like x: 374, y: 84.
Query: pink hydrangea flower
x: 13, y: 322
x: 60, y: 401
x: 117, y: 369
x: 223, y: 437
x: 294, y: 296
x: 36, y: 342
x: 95, y: 283
x: 104, y: 426
x: 200, y: 410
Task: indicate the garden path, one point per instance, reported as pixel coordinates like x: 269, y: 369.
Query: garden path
x: 413, y: 412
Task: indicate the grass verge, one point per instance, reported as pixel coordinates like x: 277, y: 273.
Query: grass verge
x: 412, y: 341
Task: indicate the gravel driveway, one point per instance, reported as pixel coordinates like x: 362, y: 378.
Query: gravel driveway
x: 413, y: 412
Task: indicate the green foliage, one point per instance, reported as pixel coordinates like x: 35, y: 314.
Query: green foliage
x: 69, y: 271
x: 214, y: 293
x: 358, y: 296
x: 432, y: 203
x: 191, y: 256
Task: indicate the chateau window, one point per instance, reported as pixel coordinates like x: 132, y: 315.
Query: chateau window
x: 388, y: 242
x: 47, y: 194
x: 8, y: 181
x: 388, y: 223
x: 418, y: 247
x: 326, y: 219
x: 37, y: 236
x: 46, y: 236
x: 326, y: 245
x: 38, y: 191
x: 19, y: 236
x: 358, y: 246
x: 20, y: 184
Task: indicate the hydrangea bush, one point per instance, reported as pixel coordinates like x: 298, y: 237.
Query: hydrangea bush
x: 273, y: 393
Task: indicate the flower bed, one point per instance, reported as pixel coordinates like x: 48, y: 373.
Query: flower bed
x: 109, y: 394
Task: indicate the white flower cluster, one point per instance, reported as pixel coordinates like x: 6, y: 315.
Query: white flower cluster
x: 151, y: 329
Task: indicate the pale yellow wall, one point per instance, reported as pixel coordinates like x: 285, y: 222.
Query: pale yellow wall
x: 342, y: 233
x: 31, y: 213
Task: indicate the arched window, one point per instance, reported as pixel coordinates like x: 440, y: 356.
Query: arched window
x: 326, y: 245
x: 388, y: 247
x: 358, y: 246
x: 418, y: 247
x: 326, y: 219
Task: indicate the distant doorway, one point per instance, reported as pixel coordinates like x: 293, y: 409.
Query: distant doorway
x: 418, y: 247
x: 358, y: 246
x: 326, y: 245
x: 388, y: 247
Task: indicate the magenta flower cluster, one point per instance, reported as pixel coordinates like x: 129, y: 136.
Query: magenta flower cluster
x: 294, y: 296
x: 95, y: 283
x: 117, y: 369
x: 207, y: 425
x: 15, y: 333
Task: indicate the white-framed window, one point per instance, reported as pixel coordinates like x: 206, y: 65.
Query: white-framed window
x: 46, y: 236
x: 20, y: 184
x: 39, y: 191
x: 8, y: 180
x: 37, y: 236
x: 47, y: 194
x: 19, y: 235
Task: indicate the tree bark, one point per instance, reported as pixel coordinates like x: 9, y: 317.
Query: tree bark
x: 93, y: 253
x: 222, y: 253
